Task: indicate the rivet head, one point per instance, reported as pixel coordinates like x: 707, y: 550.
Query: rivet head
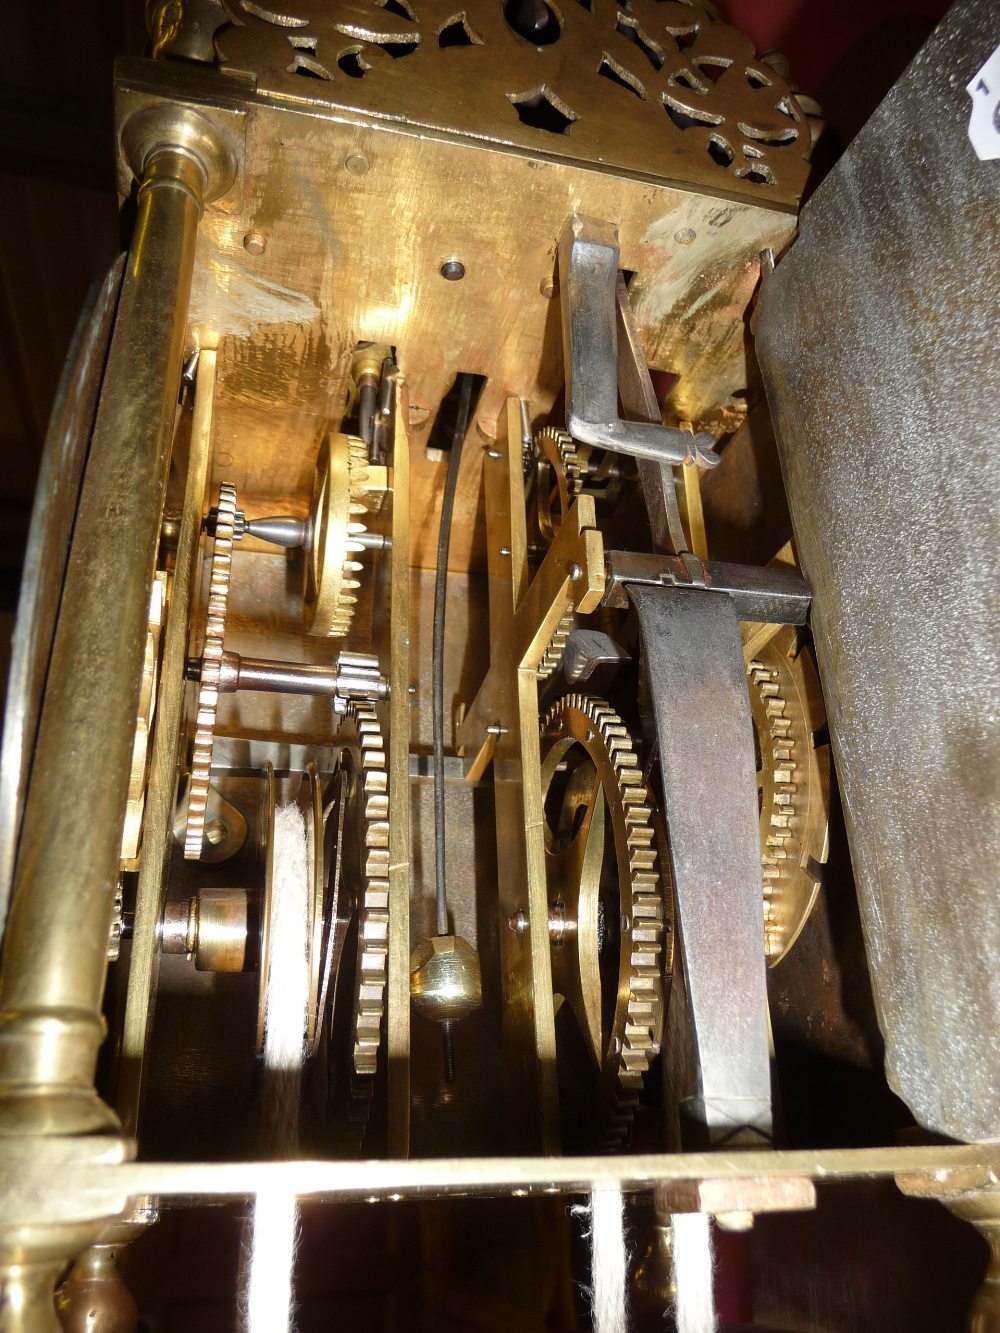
x: 357, y: 164
x: 255, y: 242
x: 452, y: 270
x: 518, y: 921
x: 548, y: 288
x: 685, y: 236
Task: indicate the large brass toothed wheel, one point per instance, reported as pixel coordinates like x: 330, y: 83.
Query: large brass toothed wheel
x: 331, y: 569
x: 211, y: 668
x: 794, y: 786
x: 364, y: 858
x: 606, y: 900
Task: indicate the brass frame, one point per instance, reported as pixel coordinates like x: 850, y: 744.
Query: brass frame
x: 501, y: 728
x: 162, y: 788
x: 430, y: 195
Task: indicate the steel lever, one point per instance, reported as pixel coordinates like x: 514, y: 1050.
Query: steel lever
x: 588, y: 273
x: 717, y: 1053
x: 769, y: 594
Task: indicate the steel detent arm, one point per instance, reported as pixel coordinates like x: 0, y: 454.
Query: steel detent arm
x: 694, y: 657
x: 588, y: 274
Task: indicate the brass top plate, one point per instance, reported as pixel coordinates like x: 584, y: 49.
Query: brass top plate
x: 357, y: 215
x: 658, y: 89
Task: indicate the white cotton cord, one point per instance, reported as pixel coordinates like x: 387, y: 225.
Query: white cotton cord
x: 608, y: 1260
x: 287, y: 988
x: 266, y: 1296
x: 693, y: 1276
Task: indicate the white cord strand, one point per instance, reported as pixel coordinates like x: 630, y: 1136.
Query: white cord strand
x: 693, y: 1273
x: 608, y: 1260
x: 268, y: 1299
x: 266, y: 1304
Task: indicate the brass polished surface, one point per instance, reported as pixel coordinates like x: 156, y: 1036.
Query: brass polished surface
x: 55, y: 956
x: 45, y: 1222
x: 400, y: 206
x: 183, y: 146
x: 397, y: 572
x: 502, y: 727
x: 361, y: 756
x: 56, y: 496
x: 320, y: 286
x: 163, y: 764
x: 604, y: 792
x: 335, y: 525
x: 221, y: 929
x: 653, y: 1281
x: 94, y: 1298
x: 558, y: 478
x: 786, y: 704
x: 90, y: 1185
x: 614, y: 83
x: 445, y: 980
x: 139, y: 771
x: 210, y: 672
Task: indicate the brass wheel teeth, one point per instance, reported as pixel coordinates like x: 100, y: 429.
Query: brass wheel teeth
x: 556, y: 646
x: 373, y: 925
x: 563, y: 455
x: 565, y: 450
x: 637, y: 1043
x: 347, y: 596
x: 211, y: 667
x: 780, y: 757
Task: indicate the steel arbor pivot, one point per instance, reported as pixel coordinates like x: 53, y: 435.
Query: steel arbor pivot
x: 588, y: 277
x: 719, y: 1067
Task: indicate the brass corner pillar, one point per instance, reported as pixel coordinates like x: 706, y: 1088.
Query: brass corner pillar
x: 54, y: 958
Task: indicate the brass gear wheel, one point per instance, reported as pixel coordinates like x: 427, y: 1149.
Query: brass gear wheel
x: 794, y: 786
x: 617, y: 995
x: 558, y: 480
x: 361, y: 752
x: 132, y: 833
x: 211, y: 666
x: 331, y: 568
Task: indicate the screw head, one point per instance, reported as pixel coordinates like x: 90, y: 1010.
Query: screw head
x: 255, y: 242
x: 548, y: 288
x: 452, y: 270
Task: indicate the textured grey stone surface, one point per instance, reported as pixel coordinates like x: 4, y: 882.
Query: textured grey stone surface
x: 878, y: 339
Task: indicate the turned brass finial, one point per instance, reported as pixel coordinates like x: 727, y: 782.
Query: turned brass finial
x: 94, y: 1299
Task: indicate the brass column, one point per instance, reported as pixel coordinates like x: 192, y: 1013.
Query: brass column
x: 55, y: 950
x: 54, y: 958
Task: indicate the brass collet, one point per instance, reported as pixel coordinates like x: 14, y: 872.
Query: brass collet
x: 167, y: 140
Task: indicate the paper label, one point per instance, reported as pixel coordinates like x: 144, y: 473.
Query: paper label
x: 984, y: 123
